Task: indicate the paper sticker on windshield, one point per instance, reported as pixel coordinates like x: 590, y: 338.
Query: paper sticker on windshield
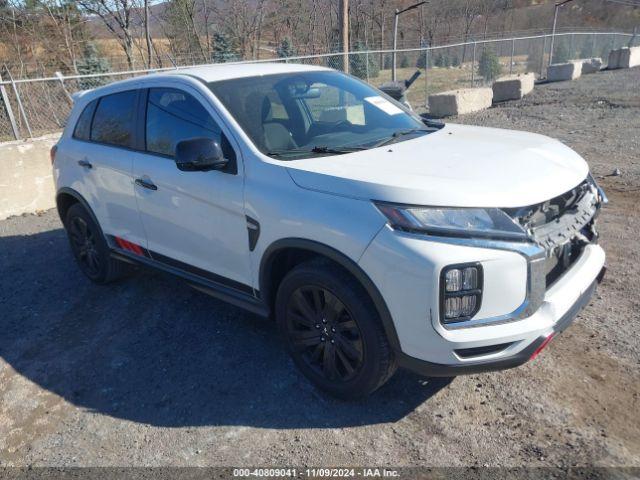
x: 383, y: 104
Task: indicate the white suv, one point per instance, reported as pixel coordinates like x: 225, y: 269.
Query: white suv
x: 375, y: 238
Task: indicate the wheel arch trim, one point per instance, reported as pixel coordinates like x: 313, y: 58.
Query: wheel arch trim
x: 266, y: 266
x: 79, y: 198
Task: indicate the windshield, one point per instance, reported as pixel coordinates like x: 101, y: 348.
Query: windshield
x: 298, y: 115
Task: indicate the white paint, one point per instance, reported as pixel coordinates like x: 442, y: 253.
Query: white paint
x: 461, y: 166
x: 200, y: 217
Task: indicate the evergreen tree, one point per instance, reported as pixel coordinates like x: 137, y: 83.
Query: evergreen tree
x: 424, y: 56
x: 489, y: 66
x: 442, y: 60
x: 358, y: 62
x: 404, y: 62
x: 91, y: 63
x: 285, y: 49
x: 420, y: 63
x: 455, y: 61
x: 222, y: 48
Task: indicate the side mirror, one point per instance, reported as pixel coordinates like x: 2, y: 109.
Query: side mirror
x: 199, y: 154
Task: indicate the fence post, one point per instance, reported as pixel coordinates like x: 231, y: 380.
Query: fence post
x: 473, y: 65
x: 366, y: 60
x: 7, y: 107
x: 20, y: 107
x: 544, y: 48
x: 426, y: 78
x: 513, y: 53
x: 64, y: 89
x: 633, y: 37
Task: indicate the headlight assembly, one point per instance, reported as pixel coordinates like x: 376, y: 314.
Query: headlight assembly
x: 461, y: 222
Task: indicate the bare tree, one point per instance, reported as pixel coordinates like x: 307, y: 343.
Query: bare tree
x: 182, y: 28
x: 243, y: 20
x: 116, y: 15
x: 147, y: 33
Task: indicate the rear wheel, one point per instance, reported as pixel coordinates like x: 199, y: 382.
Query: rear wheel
x: 332, y: 330
x: 90, y: 248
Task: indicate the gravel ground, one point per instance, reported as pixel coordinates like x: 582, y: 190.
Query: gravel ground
x: 151, y: 372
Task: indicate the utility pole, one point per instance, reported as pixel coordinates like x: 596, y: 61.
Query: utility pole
x: 394, y: 76
x: 397, y: 13
x: 344, y: 30
x: 147, y: 33
x: 553, y: 30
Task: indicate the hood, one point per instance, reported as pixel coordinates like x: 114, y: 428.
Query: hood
x: 457, y: 166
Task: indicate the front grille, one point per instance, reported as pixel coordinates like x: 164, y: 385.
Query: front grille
x: 561, y: 259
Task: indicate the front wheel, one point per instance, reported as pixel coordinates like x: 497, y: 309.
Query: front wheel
x: 332, y: 330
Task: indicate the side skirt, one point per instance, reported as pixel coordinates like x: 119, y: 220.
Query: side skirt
x: 221, y: 292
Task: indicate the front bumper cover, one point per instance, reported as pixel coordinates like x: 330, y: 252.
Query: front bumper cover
x: 429, y: 369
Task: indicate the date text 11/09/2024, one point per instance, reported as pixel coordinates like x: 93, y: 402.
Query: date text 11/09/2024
x: 316, y: 472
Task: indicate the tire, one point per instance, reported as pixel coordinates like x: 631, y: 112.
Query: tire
x: 333, y: 331
x: 90, y: 248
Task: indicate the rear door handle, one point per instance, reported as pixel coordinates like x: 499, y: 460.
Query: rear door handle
x: 146, y: 184
x: 85, y: 163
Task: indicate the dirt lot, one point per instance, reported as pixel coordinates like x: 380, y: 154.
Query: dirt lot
x: 151, y: 372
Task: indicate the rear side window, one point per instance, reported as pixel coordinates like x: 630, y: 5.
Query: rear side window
x: 113, y: 120
x: 174, y: 115
x: 83, y: 127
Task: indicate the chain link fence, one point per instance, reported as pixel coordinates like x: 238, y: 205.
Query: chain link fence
x: 33, y: 107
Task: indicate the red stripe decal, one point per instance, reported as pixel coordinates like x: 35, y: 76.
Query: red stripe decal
x: 130, y: 247
x: 121, y: 243
x: 136, y: 249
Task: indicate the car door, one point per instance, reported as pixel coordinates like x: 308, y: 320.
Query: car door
x: 102, y: 148
x: 194, y: 220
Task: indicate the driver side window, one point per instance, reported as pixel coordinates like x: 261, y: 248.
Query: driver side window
x: 329, y: 107
x: 174, y: 115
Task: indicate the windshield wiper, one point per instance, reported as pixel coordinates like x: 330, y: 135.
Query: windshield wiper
x: 400, y: 133
x: 316, y: 149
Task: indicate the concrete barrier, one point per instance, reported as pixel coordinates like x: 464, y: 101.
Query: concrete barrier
x: 624, y: 58
x: 513, y: 87
x: 26, y: 179
x: 564, y: 71
x: 614, y: 59
x: 591, y: 65
x: 457, y: 102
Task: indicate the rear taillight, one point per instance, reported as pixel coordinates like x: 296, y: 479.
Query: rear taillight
x: 52, y: 153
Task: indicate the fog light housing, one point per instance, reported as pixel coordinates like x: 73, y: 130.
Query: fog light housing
x: 460, y: 292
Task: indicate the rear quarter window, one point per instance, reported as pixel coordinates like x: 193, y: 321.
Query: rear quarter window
x: 113, y: 122
x: 82, y: 130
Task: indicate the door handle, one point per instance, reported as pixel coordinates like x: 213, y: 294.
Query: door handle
x: 146, y: 184
x: 85, y: 163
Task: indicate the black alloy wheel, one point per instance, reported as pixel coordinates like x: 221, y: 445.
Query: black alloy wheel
x: 324, y: 332
x: 90, y: 248
x: 332, y: 329
x: 83, y: 241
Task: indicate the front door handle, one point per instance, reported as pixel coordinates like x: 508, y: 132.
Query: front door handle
x: 146, y: 184
x: 85, y: 163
